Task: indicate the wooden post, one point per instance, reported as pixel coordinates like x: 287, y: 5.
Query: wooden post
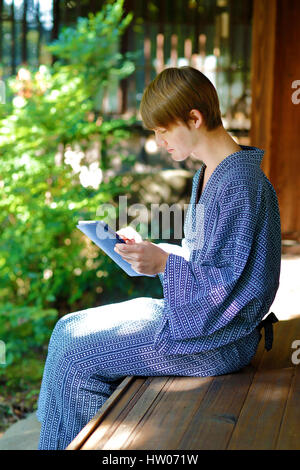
x: 263, y: 57
x: 13, y: 42
x: 24, y: 33
x: 123, y: 90
x: 56, y: 20
x: 275, y: 117
x: 147, y: 44
x: 1, y: 32
x: 40, y: 32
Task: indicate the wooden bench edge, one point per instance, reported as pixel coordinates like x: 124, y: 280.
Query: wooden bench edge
x: 89, y: 428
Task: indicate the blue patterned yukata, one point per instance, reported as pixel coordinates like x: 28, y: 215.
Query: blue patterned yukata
x: 217, y: 287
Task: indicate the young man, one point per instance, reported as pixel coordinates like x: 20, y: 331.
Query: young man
x: 217, y: 286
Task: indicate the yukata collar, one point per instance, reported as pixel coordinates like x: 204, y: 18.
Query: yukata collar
x: 247, y: 155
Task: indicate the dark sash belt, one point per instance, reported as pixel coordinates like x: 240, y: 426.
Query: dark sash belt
x: 267, y: 324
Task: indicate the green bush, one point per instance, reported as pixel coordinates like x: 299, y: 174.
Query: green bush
x: 49, y: 127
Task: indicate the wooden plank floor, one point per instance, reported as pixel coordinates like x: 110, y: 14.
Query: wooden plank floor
x: 256, y: 408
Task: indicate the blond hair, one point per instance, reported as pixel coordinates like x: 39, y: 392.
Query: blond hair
x: 171, y: 96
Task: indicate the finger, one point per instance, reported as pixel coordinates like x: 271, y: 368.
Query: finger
x: 129, y: 232
x: 125, y: 254
x: 127, y: 247
x: 128, y: 241
x: 129, y: 260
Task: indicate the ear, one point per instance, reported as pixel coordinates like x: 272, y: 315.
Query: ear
x: 196, y: 118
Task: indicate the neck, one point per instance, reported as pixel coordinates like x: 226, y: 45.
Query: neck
x: 214, y: 146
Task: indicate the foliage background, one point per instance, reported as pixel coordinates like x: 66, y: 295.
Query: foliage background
x: 57, y: 150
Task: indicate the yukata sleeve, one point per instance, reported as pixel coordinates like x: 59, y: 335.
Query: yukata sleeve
x: 174, y: 249
x: 205, y: 294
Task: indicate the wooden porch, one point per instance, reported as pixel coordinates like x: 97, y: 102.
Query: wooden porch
x: 254, y: 409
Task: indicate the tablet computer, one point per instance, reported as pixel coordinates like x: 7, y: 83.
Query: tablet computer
x: 106, y: 238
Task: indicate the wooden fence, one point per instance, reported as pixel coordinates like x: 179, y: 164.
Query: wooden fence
x: 211, y: 35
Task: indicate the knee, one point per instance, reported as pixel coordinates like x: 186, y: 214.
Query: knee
x: 58, y: 331
x: 61, y: 338
x: 65, y: 326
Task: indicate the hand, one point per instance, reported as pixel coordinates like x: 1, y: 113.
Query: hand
x: 130, y: 235
x: 145, y: 257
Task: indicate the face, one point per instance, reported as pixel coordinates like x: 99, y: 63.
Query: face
x: 178, y: 140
